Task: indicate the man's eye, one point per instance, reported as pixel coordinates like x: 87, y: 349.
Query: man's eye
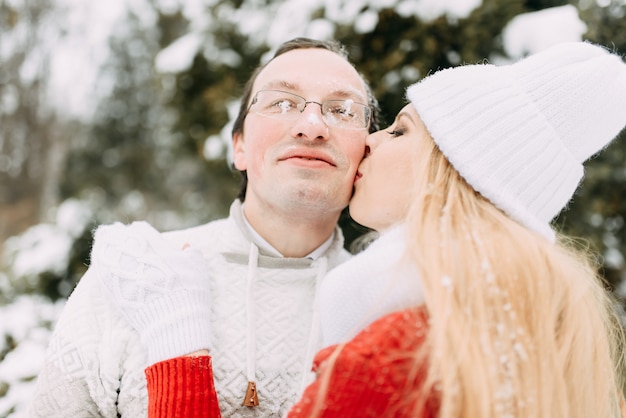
x: 283, y: 105
x: 338, y: 110
x: 341, y: 111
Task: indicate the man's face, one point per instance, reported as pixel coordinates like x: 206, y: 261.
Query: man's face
x: 302, y: 164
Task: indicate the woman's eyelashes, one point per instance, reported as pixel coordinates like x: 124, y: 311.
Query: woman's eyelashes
x: 396, y: 132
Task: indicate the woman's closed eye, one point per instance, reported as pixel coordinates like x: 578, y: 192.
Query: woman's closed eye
x: 396, y: 132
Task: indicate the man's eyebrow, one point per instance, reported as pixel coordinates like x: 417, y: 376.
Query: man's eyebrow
x: 337, y: 94
x: 349, y: 94
x: 280, y: 85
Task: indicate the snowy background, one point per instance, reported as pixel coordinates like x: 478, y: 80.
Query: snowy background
x: 77, y: 82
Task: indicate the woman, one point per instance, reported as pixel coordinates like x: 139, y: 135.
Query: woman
x: 468, y: 304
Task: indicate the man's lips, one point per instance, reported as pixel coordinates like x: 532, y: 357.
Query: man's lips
x: 311, y: 155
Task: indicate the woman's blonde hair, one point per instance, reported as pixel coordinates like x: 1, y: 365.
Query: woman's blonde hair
x: 519, y: 326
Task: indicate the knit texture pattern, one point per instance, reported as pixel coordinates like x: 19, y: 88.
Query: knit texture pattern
x: 162, y: 291
x: 182, y: 387
x: 373, y: 374
x: 95, y: 363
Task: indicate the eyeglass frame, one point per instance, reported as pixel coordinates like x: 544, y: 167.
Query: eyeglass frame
x: 368, y: 109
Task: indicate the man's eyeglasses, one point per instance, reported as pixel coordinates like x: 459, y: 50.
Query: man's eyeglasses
x: 288, y: 106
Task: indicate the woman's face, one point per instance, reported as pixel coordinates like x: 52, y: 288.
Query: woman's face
x: 385, y: 178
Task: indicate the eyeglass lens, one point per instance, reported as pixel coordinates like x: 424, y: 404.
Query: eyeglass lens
x: 282, y: 104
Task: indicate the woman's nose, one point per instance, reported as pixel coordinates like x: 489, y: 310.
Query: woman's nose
x: 372, y: 141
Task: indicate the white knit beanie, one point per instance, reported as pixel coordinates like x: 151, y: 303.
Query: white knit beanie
x: 519, y: 133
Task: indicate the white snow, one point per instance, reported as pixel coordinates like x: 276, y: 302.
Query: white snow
x: 223, y: 138
x: 366, y: 22
x: 432, y: 9
x: 46, y: 247
x: 80, y: 52
x: 532, y: 32
x: 41, y: 248
x: 179, y: 55
x: 73, y: 216
x: 26, y: 321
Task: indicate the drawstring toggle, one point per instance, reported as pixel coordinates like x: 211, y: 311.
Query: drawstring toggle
x: 251, y: 398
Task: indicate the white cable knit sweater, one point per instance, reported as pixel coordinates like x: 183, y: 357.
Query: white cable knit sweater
x: 95, y: 363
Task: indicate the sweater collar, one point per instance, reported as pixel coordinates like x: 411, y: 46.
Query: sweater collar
x: 331, y: 246
x: 269, y: 249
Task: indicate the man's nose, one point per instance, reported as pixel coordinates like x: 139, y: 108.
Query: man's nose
x: 310, y: 123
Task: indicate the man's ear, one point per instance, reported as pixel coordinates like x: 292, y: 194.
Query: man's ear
x: 239, y: 152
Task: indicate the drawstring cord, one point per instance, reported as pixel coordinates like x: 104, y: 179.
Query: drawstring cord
x: 315, y: 327
x: 251, y: 398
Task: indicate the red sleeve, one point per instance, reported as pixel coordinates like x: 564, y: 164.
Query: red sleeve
x: 182, y: 387
x: 370, y: 375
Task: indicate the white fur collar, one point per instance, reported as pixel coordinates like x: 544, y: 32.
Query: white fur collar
x: 373, y: 283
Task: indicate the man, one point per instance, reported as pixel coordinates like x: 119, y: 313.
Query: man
x: 298, y: 140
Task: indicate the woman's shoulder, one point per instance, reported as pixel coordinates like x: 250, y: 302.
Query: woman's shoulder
x: 405, y: 329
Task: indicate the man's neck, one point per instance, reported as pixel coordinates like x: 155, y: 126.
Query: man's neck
x: 291, y: 236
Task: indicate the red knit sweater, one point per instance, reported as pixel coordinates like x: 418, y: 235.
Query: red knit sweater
x: 373, y: 376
